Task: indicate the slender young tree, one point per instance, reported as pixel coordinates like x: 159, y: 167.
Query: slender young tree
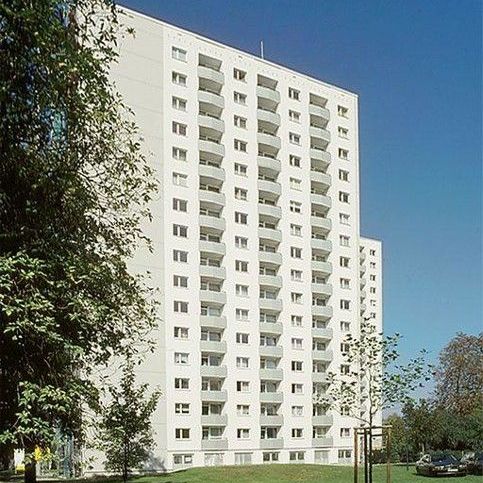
x: 74, y: 189
x: 126, y: 434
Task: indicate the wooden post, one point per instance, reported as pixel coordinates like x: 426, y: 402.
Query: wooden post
x: 356, y: 456
x: 366, y: 468
x: 388, y: 444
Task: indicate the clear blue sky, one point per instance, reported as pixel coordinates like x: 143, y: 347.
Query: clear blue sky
x: 416, y: 66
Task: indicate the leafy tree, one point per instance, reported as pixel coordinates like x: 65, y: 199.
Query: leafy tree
x: 459, y: 374
x: 74, y: 189
x: 375, y: 380
x: 399, y: 437
x: 126, y: 434
x: 422, y: 424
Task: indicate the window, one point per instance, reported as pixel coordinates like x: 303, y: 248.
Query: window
x: 240, y: 98
x: 297, y: 410
x: 294, y: 138
x: 345, y: 432
x: 240, y: 122
x: 270, y: 457
x: 372, y: 290
x: 178, y: 54
x: 293, y: 94
x: 294, y: 161
x: 345, y: 326
x: 343, y: 154
x: 372, y: 264
x: 241, y: 194
x: 295, y: 230
x: 344, y: 240
x: 243, y: 458
x: 372, y: 252
x: 296, y: 320
x: 180, y: 306
x: 180, y: 205
x: 296, y: 275
x: 182, y: 459
x: 343, y: 132
x: 241, y: 242
x: 239, y: 75
x: 295, y: 207
x: 297, y: 343
x: 179, y: 79
x: 240, y: 145
x: 294, y: 116
x: 345, y: 304
x: 179, y: 104
x: 297, y: 366
x: 241, y: 290
x: 181, y: 383
x: 296, y: 298
x: 243, y: 410
x: 295, y: 252
x: 242, y: 386
x: 240, y: 169
x: 345, y: 454
x: 297, y: 455
x: 372, y: 278
x: 242, y: 362
x: 179, y: 128
x: 241, y: 338
x: 182, y: 433
x: 343, y: 197
x: 343, y: 175
x: 345, y: 369
x: 180, y: 230
x: 295, y: 184
x: 241, y: 266
x: 180, y: 256
x: 179, y: 154
x: 345, y: 283
x: 297, y: 433
x: 181, y: 332
x: 243, y: 433
x: 180, y: 281
x: 180, y: 179
x: 241, y: 218
x: 181, y: 358
x: 344, y: 219
x: 297, y: 388
x: 342, y: 111
x: 241, y: 314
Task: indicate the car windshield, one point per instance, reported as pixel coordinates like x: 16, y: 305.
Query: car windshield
x: 443, y: 457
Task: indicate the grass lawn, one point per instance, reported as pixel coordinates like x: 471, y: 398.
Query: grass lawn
x: 289, y: 473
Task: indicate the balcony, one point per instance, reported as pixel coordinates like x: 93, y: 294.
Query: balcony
x: 362, y: 256
x: 271, y: 374
x: 213, y: 172
x: 217, y: 298
x: 269, y: 117
x: 271, y: 351
x: 211, y: 147
x: 271, y: 397
x: 218, y: 248
x: 275, y: 305
x: 324, y: 311
x: 270, y: 210
x: 322, y: 420
x: 319, y: 377
x: 269, y: 140
x: 212, y: 197
x: 322, y: 178
x: 321, y: 133
x: 326, y: 442
x: 213, y: 396
x: 324, y: 267
x: 271, y: 420
x: 325, y: 356
x: 214, y: 420
x: 363, y: 294
x: 213, y: 321
x: 270, y: 164
x: 211, y: 98
x: 324, y: 224
x: 362, y: 269
x: 268, y: 94
x: 271, y: 328
x: 270, y: 280
x: 322, y: 288
x: 320, y: 155
x: 211, y: 75
x: 322, y: 333
x: 270, y: 187
x: 214, y: 444
x: 321, y: 200
x: 363, y: 308
x: 363, y: 281
x: 216, y: 347
x: 270, y: 234
x: 270, y: 257
x: 213, y: 272
x: 217, y: 224
x: 319, y: 111
x: 211, y: 123
x: 321, y: 244
x: 272, y: 443
x: 213, y: 371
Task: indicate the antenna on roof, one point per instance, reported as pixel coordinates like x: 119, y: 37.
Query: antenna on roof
x: 261, y: 49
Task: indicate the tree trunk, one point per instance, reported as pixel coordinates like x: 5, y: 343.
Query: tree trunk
x: 30, y: 475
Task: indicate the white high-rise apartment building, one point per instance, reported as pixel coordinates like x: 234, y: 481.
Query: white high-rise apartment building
x: 257, y: 249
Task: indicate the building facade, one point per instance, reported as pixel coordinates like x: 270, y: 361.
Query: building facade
x: 257, y: 253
